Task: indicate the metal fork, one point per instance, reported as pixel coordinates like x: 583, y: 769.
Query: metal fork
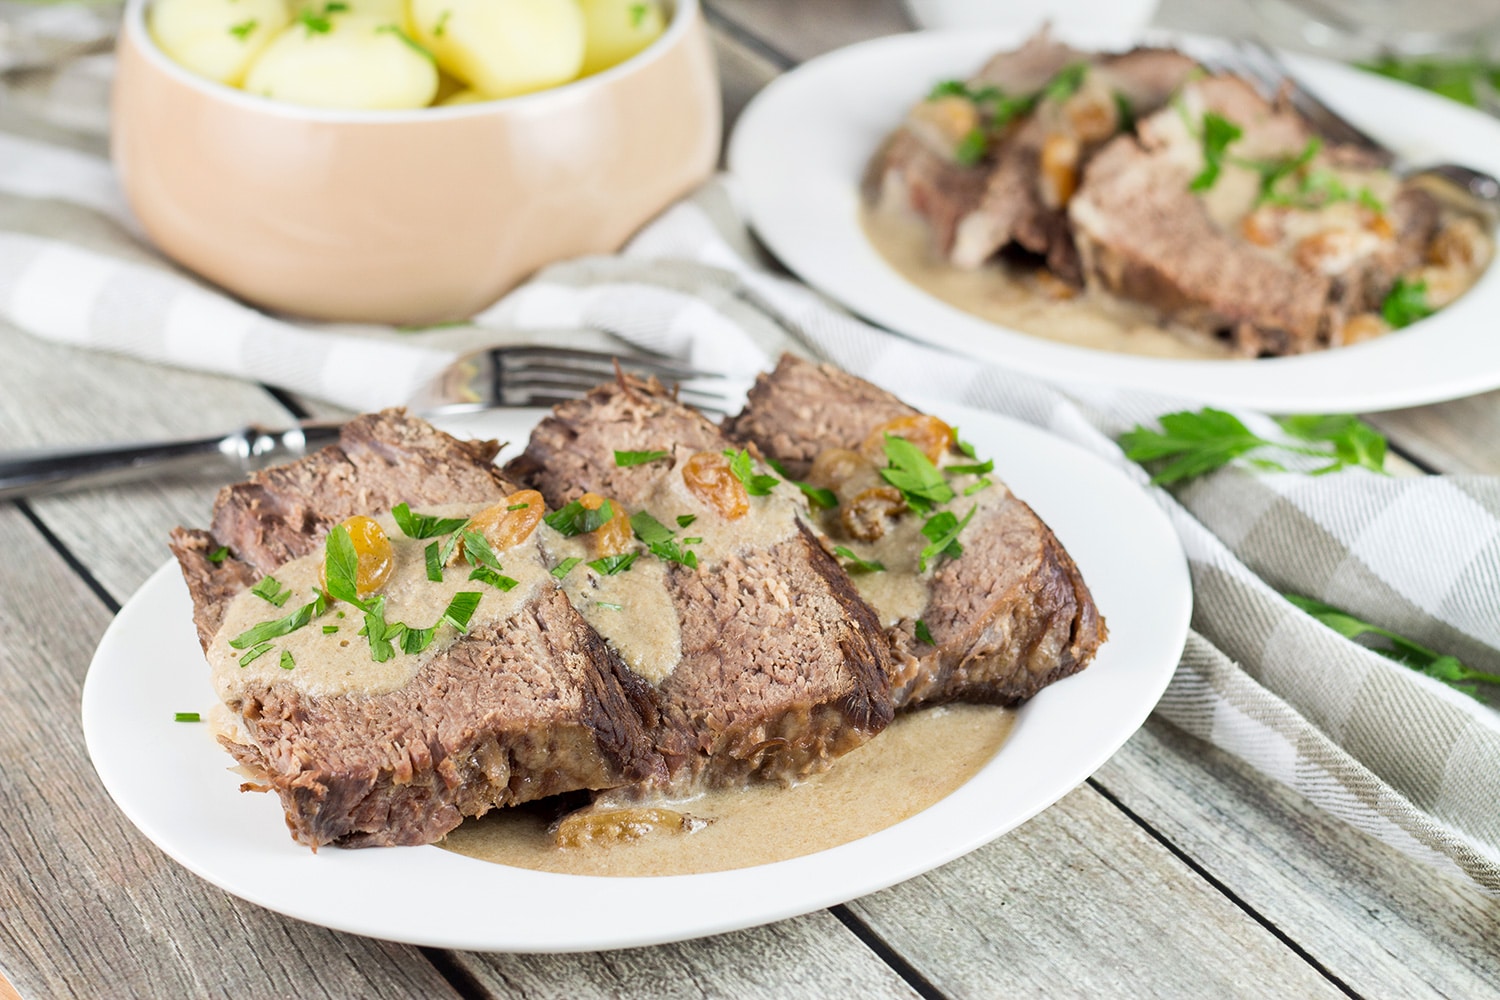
x: 496, y: 377
x: 1472, y: 190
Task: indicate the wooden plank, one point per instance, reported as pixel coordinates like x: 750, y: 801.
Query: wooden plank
x: 1462, y: 436
x: 742, y: 72
x: 809, y: 956
x: 801, y: 30
x: 56, y: 396
x: 91, y: 907
x: 1081, y: 902
x: 1384, y: 925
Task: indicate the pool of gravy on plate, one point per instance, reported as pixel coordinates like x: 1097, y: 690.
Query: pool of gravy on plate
x: 1019, y: 301
x: 920, y: 759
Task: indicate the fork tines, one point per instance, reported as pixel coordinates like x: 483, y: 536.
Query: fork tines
x: 545, y: 376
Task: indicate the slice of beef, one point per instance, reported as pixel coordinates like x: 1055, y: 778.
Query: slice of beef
x: 908, y: 175
x: 783, y: 667
x: 528, y: 707
x: 1268, y: 277
x: 1008, y: 617
x: 1038, y: 164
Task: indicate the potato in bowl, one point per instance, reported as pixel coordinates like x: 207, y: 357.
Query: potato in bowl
x: 414, y: 215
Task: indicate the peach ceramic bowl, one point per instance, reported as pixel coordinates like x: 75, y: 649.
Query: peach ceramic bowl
x: 407, y: 217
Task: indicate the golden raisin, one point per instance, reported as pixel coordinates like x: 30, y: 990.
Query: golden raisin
x: 509, y: 522
x: 928, y: 433
x: 1059, y: 169
x: 708, y: 476
x: 376, y: 558
x: 864, y: 517
x: 613, y: 537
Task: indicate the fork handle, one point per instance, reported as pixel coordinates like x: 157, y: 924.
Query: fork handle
x: 33, y: 472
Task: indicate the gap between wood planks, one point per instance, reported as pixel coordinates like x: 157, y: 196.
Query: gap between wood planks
x: 1222, y: 889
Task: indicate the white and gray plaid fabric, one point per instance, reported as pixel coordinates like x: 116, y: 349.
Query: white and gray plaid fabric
x: 1401, y: 757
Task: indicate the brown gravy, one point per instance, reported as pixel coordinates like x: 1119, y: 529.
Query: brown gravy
x: 920, y: 759
x: 1014, y: 300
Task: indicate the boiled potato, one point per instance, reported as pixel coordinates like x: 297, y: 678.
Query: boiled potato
x: 617, y: 30
x: 345, y: 60
x: 503, y: 47
x: 465, y: 96
x: 218, y: 39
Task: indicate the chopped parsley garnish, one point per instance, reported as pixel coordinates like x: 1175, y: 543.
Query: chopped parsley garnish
x: 424, y: 525
x: 477, y: 550
x: 756, y: 484
x: 434, y: 562
x: 625, y: 459
x: 441, y: 27
x: 610, y: 565
x: 1406, y: 303
x: 380, y: 633
x: 648, y: 529
x: 661, y: 541
x: 243, y: 29
x: 494, y: 578
x: 414, y: 640
x: 854, y: 564
x: 1218, y: 133
x: 341, y: 567
x: 1067, y: 82
x: 411, y: 43
x: 692, y: 541
x: 973, y: 469
x: 219, y: 554
x: 287, y: 663
x: 611, y: 605
x: 518, y: 506
x: 330, y: 629
x: 320, y: 23
x: 565, y: 567
x: 971, y: 148
x: 683, y: 520
x: 187, y: 717
x: 963, y: 446
x: 281, y: 626
x: 949, y: 88
x: 913, y: 473
x: 637, y: 14
x: 943, y: 529
x: 817, y: 497
x: 576, y: 519
x: 924, y: 633
x: 983, y: 483
x: 271, y: 589
x: 254, y: 654
x: 461, y: 608
x: 1124, y: 113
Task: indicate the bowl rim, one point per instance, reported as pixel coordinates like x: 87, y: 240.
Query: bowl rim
x: 684, y: 14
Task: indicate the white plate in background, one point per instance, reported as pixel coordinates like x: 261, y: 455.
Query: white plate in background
x: 802, y: 144
x: 172, y: 781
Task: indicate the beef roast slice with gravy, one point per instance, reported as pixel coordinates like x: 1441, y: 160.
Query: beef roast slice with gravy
x: 1008, y: 617
x: 514, y: 711
x: 1143, y: 234
x: 783, y: 666
x: 1022, y: 207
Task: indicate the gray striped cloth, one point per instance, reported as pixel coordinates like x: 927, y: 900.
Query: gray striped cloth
x: 1391, y: 752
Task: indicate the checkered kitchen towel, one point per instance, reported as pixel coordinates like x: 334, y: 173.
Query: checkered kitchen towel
x: 1396, y: 755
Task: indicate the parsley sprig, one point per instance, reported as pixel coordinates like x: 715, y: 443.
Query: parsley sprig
x: 757, y: 484
x: 661, y: 540
x: 1439, y: 666
x: 855, y: 564
x: 912, y: 472
x: 818, y: 498
x: 1217, y: 134
x: 1196, y: 443
x: 1406, y: 303
x: 576, y: 519
x: 424, y: 525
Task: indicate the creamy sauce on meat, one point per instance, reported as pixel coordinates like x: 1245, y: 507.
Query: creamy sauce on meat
x: 920, y: 759
x: 338, y: 661
x: 1007, y: 297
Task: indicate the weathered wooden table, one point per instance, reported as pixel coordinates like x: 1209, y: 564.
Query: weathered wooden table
x: 1174, y: 871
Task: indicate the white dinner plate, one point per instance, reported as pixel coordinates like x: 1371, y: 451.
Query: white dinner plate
x: 802, y: 144
x: 173, y: 781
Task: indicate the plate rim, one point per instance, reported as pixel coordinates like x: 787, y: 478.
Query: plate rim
x: 346, y: 868
x: 1369, y: 377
